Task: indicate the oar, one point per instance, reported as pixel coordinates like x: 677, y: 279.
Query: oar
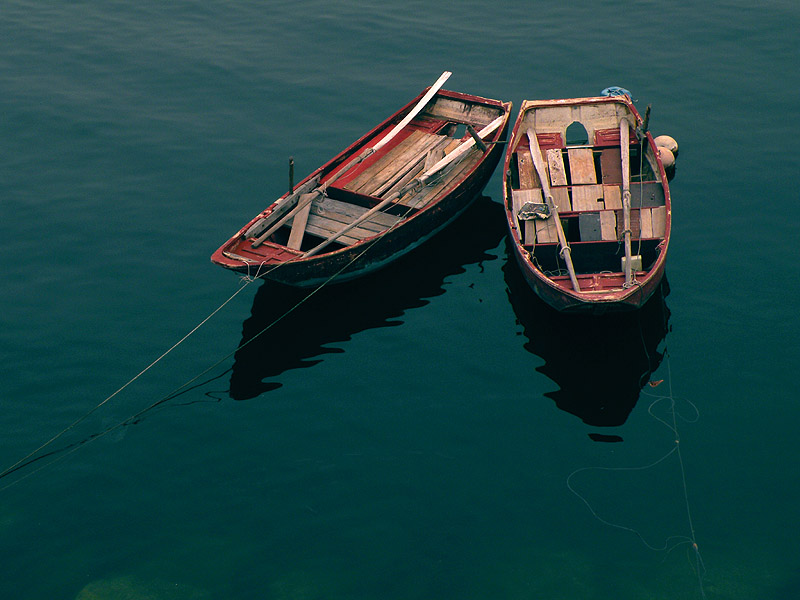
x: 417, y: 183
x: 566, y: 253
x: 624, y: 145
x: 397, y: 128
x: 414, y: 111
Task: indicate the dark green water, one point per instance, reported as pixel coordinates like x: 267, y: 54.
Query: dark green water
x: 416, y: 434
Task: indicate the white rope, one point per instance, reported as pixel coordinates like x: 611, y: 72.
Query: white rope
x: 247, y: 280
x: 132, y: 380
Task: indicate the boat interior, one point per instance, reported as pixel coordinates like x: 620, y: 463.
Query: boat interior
x: 580, y: 148
x: 354, y: 185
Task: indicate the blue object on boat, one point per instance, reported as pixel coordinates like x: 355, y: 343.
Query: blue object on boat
x: 616, y: 91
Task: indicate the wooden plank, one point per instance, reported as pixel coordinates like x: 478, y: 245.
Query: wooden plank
x: 527, y: 172
x: 387, y: 164
x: 612, y: 197
x: 611, y: 166
x: 418, y: 107
x: 399, y: 165
x: 646, y: 222
x: 330, y: 216
x: 324, y: 228
x: 346, y: 213
x: 545, y: 231
x: 659, y: 221
x: 608, y: 225
x: 448, y: 176
x: 589, y: 226
x: 520, y: 197
x: 458, y: 111
x: 587, y: 197
x: 647, y: 194
x: 581, y: 165
x: 561, y: 199
x: 434, y: 155
x: 414, y: 166
x: 635, y: 221
x: 529, y: 231
x: 299, y: 227
x: 555, y: 164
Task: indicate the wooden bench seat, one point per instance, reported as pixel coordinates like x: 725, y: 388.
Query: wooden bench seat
x: 581, y: 166
x: 328, y: 216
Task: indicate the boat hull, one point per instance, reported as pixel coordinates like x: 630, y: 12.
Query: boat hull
x: 601, y: 289
x: 274, y: 261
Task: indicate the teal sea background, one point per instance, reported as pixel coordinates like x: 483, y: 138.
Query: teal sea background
x: 431, y: 432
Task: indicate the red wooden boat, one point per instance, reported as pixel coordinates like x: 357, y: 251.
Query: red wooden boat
x: 588, y: 216
x: 382, y: 196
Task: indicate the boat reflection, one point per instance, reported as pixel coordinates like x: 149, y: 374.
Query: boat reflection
x: 600, y: 364
x: 336, y: 312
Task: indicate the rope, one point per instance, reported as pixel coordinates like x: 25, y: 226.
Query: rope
x: 80, y: 419
x: 247, y: 280
x: 671, y: 422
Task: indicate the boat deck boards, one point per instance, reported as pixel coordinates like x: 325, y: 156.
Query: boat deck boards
x: 586, y: 185
x: 382, y: 175
x: 328, y: 216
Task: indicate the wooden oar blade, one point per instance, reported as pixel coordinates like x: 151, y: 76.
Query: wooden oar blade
x: 414, y: 111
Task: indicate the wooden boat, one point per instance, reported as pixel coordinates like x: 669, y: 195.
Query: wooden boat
x: 588, y: 216
x: 382, y: 196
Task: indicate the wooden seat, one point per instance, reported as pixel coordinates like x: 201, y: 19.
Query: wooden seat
x: 328, y: 216
x: 581, y: 165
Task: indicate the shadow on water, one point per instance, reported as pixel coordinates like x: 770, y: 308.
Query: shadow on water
x: 337, y: 312
x: 600, y: 364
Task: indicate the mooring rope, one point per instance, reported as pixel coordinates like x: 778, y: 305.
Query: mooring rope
x: 671, y: 423
x: 83, y: 417
x: 247, y: 280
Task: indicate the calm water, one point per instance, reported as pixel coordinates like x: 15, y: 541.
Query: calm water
x: 416, y: 434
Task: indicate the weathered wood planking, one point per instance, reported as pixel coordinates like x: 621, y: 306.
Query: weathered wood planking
x: 395, y: 160
x: 299, y: 222
x: 527, y: 172
x: 581, y: 165
x: 561, y: 199
x: 420, y: 198
x: 646, y: 222
x: 329, y: 216
x: 659, y: 221
x: 345, y: 212
x: 369, y: 172
x: 611, y: 166
x: 399, y: 165
x: 612, y: 197
x: 520, y: 197
x: 448, y: 109
x: 587, y: 197
x: 608, y: 225
x: 546, y: 232
x: 555, y: 164
x: 414, y: 167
